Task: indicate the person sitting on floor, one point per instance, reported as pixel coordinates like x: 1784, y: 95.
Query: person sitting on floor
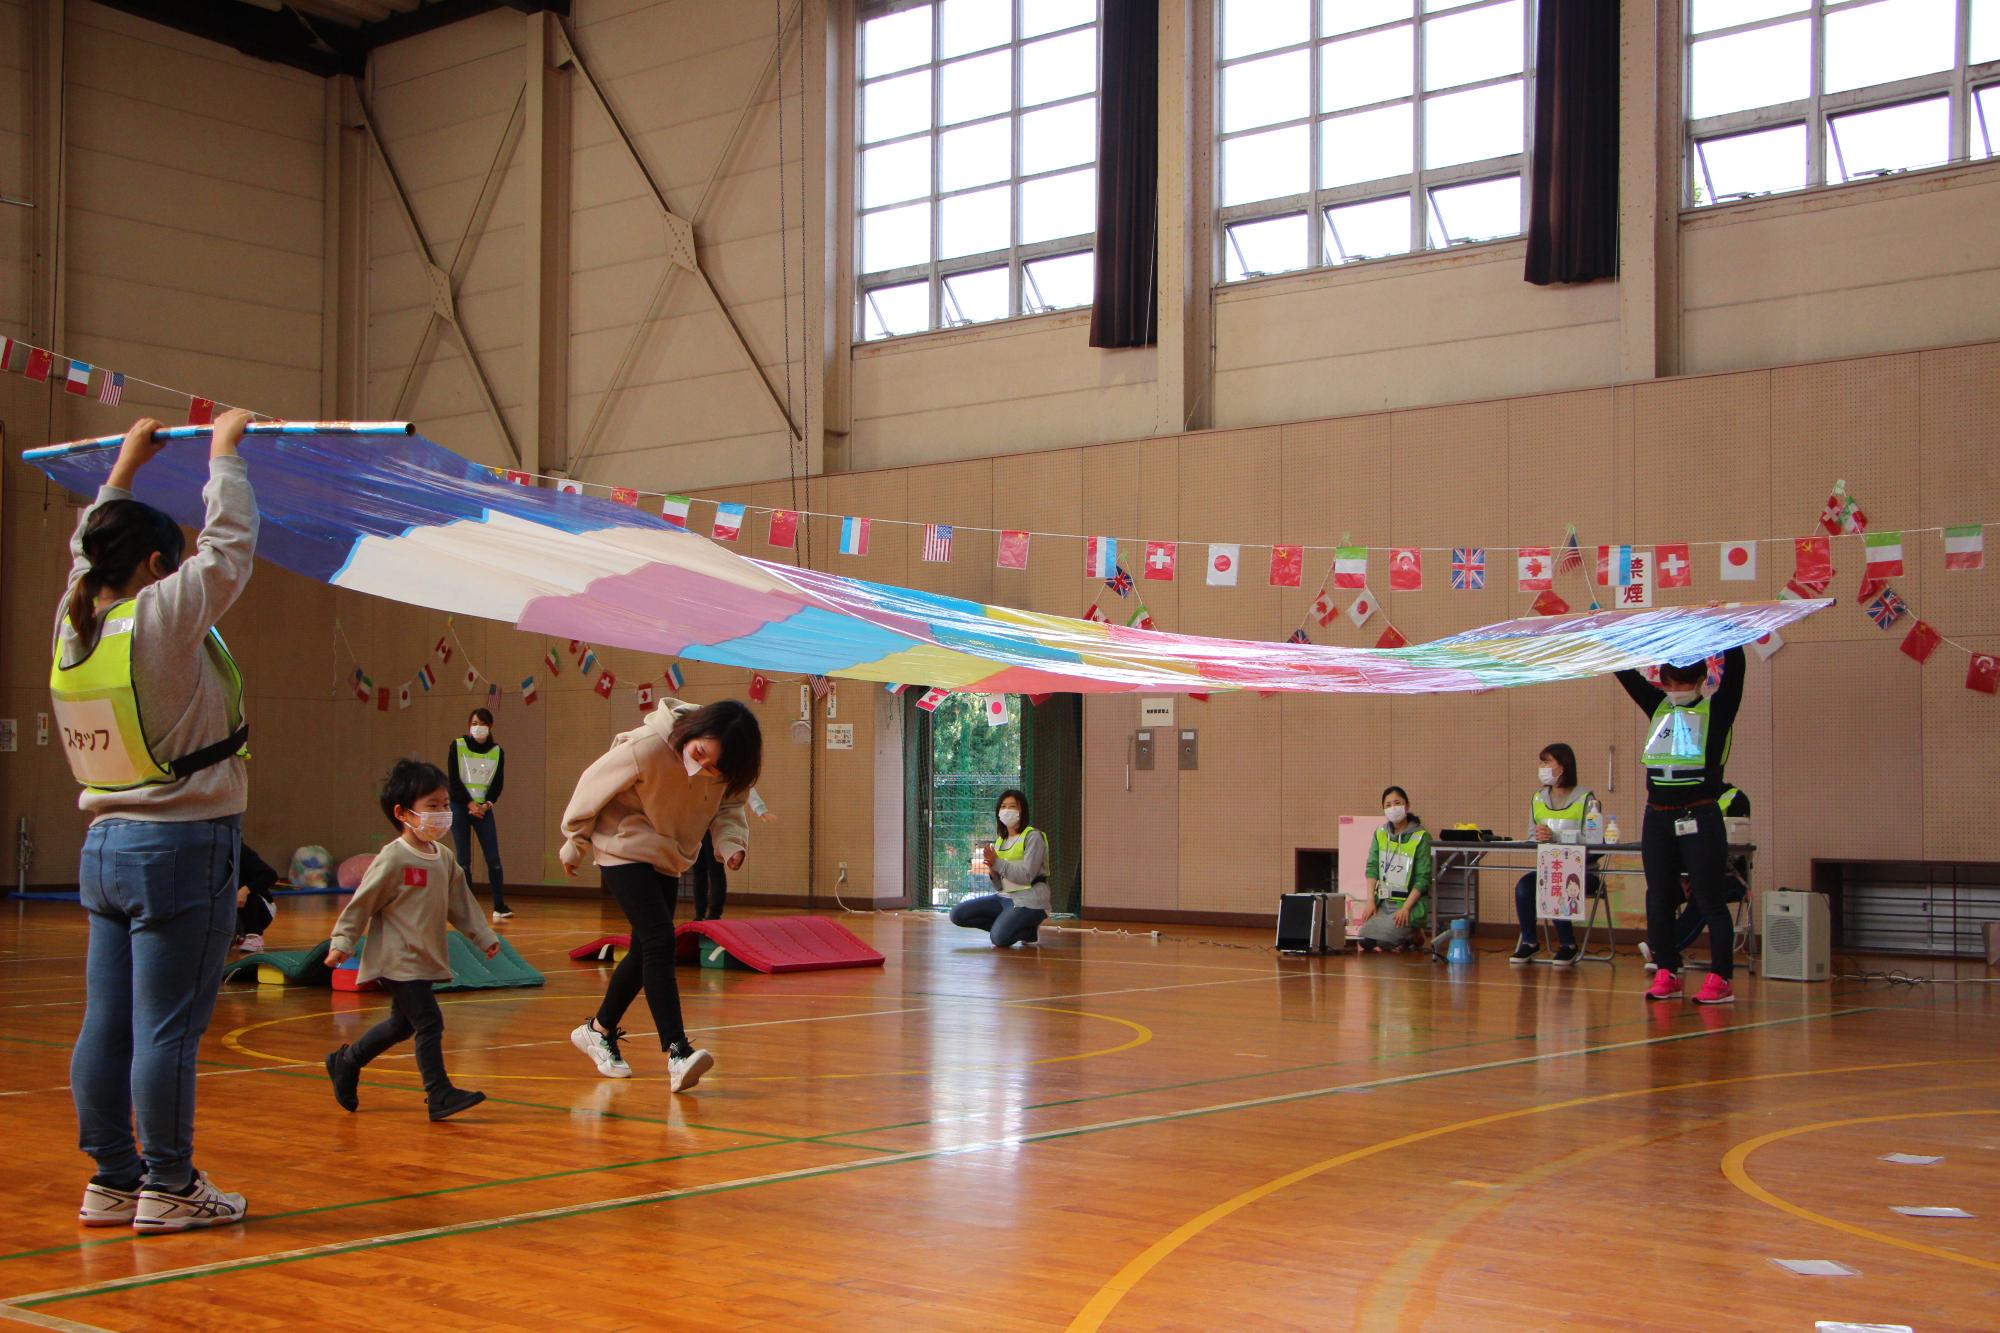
x: 1018, y: 865
x: 1399, y: 876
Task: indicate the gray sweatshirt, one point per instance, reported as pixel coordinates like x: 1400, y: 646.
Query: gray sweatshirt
x: 183, y: 695
x: 405, y: 901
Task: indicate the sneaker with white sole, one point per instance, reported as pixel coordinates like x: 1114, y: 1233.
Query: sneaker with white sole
x: 502, y: 914
x: 1646, y: 952
x: 602, y: 1049
x: 202, y: 1205
x: 1714, y: 990
x: 251, y: 944
x: 107, y: 1205
x: 684, y: 1070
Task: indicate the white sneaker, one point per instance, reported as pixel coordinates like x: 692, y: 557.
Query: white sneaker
x: 104, y: 1206
x: 499, y: 915
x: 252, y: 944
x: 202, y: 1206
x: 602, y: 1050
x: 683, y: 1072
x: 1646, y: 952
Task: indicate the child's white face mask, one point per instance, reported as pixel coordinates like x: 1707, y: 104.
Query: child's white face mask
x: 430, y: 825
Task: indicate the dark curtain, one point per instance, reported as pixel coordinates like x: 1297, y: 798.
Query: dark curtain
x: 1052, y: 772
x: 1128, y: 175
x: 1573, y: 172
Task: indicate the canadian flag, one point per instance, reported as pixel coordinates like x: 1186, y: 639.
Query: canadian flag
x: 1739, y: 562
x: 1324, y: 608
x: 1535, y: 569
x: 1362, y: 608
x: 1670, y: 563
x: 1094, y: 614
x: 646, y: 698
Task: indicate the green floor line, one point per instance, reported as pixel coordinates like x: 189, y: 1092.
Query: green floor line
x: 336, y: 1249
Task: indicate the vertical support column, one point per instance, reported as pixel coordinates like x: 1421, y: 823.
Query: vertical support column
x: 1649, y: 189
x: 819, y: 50
x: 1186, y: 277
x: 830, y: 26
x: 48, y: 319
x: 545, y: 153
x: 343, y: 379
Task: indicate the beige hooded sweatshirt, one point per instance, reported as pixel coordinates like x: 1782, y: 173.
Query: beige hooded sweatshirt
x: 637, y: 804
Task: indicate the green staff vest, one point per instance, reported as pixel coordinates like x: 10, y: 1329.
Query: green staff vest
x: 1676, y: 753
x: 1395, y: 859
x: 476, y: 770
x: 1017, y: 850
x: 1727, y: 799
x: 97, y: 710
x: 1557, y: 816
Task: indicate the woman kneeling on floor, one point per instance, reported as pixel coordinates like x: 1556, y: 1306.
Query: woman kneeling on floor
x: 1399, y: 876
x: 1019, y: 867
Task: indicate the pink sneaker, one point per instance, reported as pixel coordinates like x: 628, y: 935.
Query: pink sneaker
x: 1666, y: 986
x: 1715, y: 991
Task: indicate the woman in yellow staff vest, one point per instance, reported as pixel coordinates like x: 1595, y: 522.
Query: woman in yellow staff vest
x: 1399, y: 875
x: 1018, y: 865
x: 474, y: 776
x: 1557, y: 808
x: 150, y: 706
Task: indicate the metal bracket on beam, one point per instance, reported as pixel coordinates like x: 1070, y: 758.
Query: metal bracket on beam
x: 680, y: 243
x: 441, y: 302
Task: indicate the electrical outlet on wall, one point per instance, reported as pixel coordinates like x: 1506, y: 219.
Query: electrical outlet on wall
x: 843, y: 872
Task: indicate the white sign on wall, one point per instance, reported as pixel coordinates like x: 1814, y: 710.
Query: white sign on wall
x: 1156, y: 712
x: 840, y: 735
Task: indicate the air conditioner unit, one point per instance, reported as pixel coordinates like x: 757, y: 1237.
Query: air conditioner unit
x: 1798, y: 936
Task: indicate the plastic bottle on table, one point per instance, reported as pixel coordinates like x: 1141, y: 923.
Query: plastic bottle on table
x: 1593, y: 823
x: 1611, y: 830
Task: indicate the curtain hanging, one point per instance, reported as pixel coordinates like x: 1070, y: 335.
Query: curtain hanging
x: 1573, y: 171
x: 1124, y: 313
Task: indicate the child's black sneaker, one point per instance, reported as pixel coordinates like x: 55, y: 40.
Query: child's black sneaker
x: 453, y: 1101
x: 346, y: 1076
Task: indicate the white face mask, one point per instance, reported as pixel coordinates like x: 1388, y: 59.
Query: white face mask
x: 694, y: 765
x: 1546, y: 776
x: 479, y: 733
x: 430, y: 825
x: 1684, y: 698
x: 1394, y: 813
x: 1011, y: 818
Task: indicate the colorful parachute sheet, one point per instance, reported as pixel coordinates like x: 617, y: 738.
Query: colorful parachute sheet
x: 380, y: 510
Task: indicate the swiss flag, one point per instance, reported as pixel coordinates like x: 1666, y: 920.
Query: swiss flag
x: 1548, y: 604
x: 1814, y: 560
x: 1984, y: 674
x: 1921, y: 641
x: 604, y: 684
x: 1392, y: 638
x: 760, y: 687
x: 1287, y: 562
x: 1406, y: 569
x: 416, y: 877
x: 1160, y: 560
x: 1671, y: 567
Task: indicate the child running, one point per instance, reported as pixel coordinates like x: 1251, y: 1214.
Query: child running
x: 414, y: 887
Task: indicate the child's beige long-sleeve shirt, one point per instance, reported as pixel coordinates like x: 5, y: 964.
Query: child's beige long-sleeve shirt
x: 404, y: 904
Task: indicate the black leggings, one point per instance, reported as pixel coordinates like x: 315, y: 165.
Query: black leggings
x: 709, y: 881
x: 413, y: 1011
x: 1703, y: 856
x: 647, y: 898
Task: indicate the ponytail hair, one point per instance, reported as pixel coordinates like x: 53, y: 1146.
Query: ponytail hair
x: 120, y: 536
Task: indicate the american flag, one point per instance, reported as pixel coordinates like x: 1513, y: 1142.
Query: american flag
x: 1569, y: 556
x: 937, y: 543
x: 1468, y: 568
x: 1120, y: 583
x: 112, y: 389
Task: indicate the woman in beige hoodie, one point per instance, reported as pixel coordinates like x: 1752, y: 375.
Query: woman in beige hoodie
x: 641, y: 811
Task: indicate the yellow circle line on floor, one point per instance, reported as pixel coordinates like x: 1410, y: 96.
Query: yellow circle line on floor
x: 1100, y: 1306
x: 1736, y: 1171
x: 233, y: 1041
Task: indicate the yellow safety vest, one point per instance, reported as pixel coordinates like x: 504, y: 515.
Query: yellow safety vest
x: 1395, y: 860
x: 1676, y: 752
x: 1541, y: 812
x: 1017, y: 850
x: 476, y: 770
x: 97, y: 710
x: 1727, y: 799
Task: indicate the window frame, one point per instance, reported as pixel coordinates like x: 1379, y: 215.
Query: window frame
x: 1015, y: 257
x: 1959, y: 84
x: 1416, y: 184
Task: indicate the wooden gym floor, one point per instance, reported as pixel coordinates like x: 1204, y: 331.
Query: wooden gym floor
x: 1106, y: 1132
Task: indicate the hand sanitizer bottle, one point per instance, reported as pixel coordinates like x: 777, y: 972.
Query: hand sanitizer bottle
x: 1593, y: 823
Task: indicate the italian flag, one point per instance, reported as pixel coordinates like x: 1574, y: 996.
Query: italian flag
x: 1965, y: 547
x: 675, y: 510
x: 1885, y: 553
x: 1350, y: 567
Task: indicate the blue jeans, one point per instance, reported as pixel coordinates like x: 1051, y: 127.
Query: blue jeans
x: 1005, y: 921
x: 463, y: 827
x: 162, y: 905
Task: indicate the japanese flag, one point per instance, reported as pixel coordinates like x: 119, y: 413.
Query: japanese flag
x: 1739, y: 562
x: 996, y: 710
x: 1362, y: 608
x: 1222, y: 565
x: 1767, y: 645
x: 569, y: 486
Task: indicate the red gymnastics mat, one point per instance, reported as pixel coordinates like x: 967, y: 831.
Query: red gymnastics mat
x: 768, y: 944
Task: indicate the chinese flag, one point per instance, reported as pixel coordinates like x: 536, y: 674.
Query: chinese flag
x: 1012, y: 552
x: 1984, y: 674
x: 1286, y: 564
x: 39, y: 363
x: 381, y: 698
x: 760, y: 688
x: 1392, y: 638
x: 784, y: 528
x: 416, y: 877
x: 1548, y: 604
x: 624, y: 495
x: 1814, y: 560
x: 201, y: 411
x: 1920, y: 642
x: 604, y: 684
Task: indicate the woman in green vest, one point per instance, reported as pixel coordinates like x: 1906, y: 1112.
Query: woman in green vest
x: 1399, y: 875
x: 1556, y: 809
x: 1018, y: 865
x: 475, y: 773
x: 150, y: 709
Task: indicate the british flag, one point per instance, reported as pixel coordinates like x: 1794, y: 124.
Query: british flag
x: 1468, y: 568
x: 937, y: 543
x: 1120, y: 583
x: 1298, y: 636
x: 1887, y: 609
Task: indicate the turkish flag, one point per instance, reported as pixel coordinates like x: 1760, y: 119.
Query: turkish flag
x: 1813, y: 557
x: 760, y: 687
x: 1548, y: 604
x: 416, y: 877
x: 1392, y: 637
x: 1287, y: 563
x: 1671, y: 566
x: 1921, y: 642
x: 1406, y: 569
x: 1984, y: 674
